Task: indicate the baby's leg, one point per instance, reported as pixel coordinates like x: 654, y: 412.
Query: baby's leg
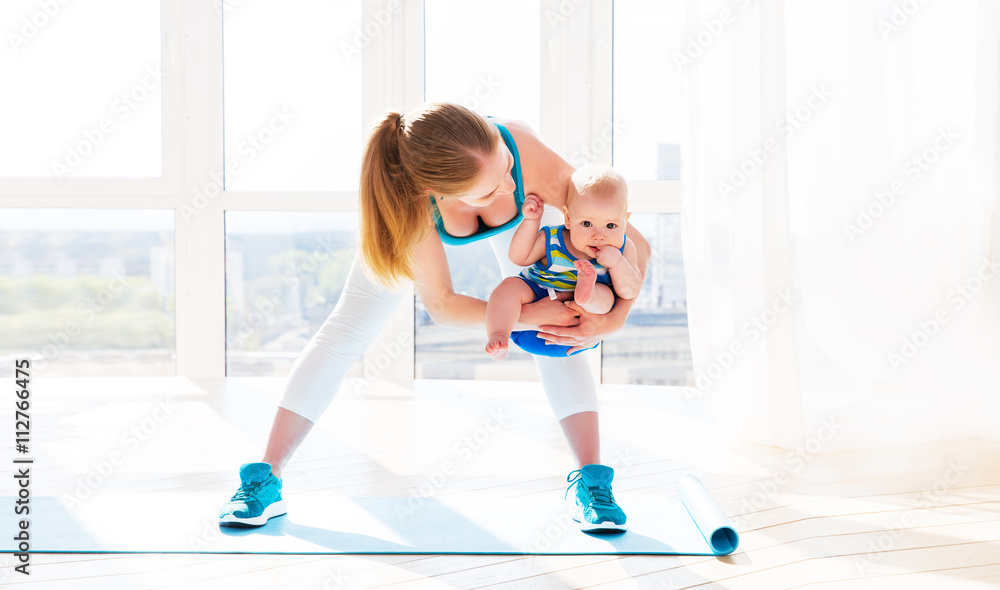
x: 593, y: 296
x: 502, y: 311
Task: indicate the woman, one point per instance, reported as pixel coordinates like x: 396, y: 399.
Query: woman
x: 443, y: 174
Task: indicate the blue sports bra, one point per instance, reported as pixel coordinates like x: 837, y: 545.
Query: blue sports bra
x: 484, y: 230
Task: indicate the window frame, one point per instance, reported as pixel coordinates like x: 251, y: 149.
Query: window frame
x: 575, y: 37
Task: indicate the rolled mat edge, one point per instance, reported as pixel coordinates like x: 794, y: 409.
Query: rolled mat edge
x: 707, y: 516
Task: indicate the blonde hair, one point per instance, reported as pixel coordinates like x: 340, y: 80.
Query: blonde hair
x: 439, y: 147
x: 601, y: 182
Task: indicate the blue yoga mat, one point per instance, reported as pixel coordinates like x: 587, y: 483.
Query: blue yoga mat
x: 690, y: 523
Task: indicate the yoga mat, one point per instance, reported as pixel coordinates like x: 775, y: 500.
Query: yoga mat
x: 689, y: 524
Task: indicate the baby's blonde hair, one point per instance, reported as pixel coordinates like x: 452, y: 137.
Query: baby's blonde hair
x: 601, y: 182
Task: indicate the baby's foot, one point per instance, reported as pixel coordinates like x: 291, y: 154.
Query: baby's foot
x: 586, y: 278
x: 496, y: 348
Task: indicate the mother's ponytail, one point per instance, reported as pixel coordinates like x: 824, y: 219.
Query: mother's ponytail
x: 394, y: 215
x: 441, y: 148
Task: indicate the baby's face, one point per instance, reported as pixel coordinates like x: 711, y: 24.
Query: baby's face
x: 595, y: 222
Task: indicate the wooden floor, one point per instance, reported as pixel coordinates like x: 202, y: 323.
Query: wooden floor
x: 912, y: 517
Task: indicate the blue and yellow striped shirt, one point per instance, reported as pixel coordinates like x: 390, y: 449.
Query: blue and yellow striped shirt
x: 560, y: 274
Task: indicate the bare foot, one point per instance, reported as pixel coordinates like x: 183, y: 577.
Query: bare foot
x: 496, y: 348
x: 586, y: 278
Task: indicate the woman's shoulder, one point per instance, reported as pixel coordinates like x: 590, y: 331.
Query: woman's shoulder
x: 528, y: 142
x: 516, y: 127
x: 524, y: 136
x: 546, y: 173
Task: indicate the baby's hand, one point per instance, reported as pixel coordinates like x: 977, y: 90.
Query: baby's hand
x: 532, y: 208
x: 608, y: 256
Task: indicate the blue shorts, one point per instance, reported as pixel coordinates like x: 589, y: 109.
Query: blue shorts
x: 528, y: 340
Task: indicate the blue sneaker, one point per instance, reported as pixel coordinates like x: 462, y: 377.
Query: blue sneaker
x: 594, y: 506
x: 257, y: 500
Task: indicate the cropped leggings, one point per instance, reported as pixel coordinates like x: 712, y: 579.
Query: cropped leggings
x: 358, y: 317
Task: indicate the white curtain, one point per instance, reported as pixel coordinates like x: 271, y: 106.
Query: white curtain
x: 840, y: 174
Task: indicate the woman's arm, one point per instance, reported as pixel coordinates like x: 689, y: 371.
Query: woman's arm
x: 433, y: 284
x: 447, y: 308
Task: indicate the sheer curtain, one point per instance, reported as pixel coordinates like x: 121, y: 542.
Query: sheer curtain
x: 840, y: 233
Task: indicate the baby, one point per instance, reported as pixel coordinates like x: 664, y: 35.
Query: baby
x: 583, y: 259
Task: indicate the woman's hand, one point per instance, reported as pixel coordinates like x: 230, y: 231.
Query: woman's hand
x: 586, y: 331
x: 546, y: 312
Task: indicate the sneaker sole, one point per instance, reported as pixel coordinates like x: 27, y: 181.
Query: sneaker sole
x: 604, y: 527
x: 588, y: 527
x: 273, y: 510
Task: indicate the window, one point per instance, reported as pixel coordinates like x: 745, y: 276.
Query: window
x: 284, y: 274
x: 293, y: 95
x: 280, y: 96
x: 81, y: 92
x: 494, y: 47
x: 654, y: 348
x: 647, y: 100
x: 88, y: 292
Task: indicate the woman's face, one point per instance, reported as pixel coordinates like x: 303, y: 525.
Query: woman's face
x: 495, y: 182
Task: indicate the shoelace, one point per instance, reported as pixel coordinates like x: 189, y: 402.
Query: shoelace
x: 601, y: 496
x: 246, y: 490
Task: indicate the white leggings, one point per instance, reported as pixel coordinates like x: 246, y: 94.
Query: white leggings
x: 357, y: 319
